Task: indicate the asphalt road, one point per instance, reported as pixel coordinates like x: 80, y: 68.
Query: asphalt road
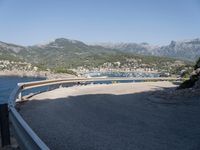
x: 103, y: 121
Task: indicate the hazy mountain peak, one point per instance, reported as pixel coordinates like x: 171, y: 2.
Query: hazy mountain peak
x: 65, y: 40
x: 173, y: 43
x: 11, y: 47
x: 186, y: 49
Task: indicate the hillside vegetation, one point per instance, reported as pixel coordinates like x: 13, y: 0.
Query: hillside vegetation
x: 194, y: 80
x: 62, y: 55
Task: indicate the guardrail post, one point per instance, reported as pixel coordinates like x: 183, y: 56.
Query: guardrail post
x: 20, y: 96
x: 4, y: 124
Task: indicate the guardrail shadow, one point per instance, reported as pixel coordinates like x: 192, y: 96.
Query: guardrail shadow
x: 105, y: 121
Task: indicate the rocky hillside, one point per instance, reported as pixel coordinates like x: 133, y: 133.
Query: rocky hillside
x: 68, y: 53
x: 10, y: 51
x: 194, y: 80
x: 135, y: 48
x: 186, y: 50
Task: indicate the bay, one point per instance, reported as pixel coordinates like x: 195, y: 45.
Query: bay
x: 8, y: 83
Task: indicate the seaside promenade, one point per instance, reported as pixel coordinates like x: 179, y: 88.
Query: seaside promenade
x: 114, y: 116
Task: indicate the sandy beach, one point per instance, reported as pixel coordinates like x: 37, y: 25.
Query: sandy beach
x: 121, y: 116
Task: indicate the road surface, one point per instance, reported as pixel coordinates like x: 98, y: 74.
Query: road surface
x: 113, y: 117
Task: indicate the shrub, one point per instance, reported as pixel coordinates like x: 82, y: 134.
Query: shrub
x: 193, y: 78
x: 197, y: 65
x: 189, y: 83
x: 63, y: 70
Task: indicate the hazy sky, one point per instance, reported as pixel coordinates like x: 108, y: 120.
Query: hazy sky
x: 29, y: 22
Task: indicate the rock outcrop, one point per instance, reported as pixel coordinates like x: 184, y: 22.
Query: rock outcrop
x: 194, y: 81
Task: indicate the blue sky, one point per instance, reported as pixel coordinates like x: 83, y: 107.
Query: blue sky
x: 29, y: 22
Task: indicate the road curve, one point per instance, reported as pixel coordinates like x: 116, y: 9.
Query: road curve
x: 112, y: 117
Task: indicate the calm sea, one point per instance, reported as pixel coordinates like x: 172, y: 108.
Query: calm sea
x: 8, y: 83
x: 123, y: 74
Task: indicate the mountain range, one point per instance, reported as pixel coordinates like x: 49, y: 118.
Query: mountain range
x: 73, y: 53
x: 185, y: 50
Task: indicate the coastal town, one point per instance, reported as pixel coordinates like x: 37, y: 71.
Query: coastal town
x: 167, y: 69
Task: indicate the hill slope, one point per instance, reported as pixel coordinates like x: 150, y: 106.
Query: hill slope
x: 65, y: 53
x: 186, y: 50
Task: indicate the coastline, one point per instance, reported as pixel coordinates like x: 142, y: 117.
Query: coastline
x: 35, y: 74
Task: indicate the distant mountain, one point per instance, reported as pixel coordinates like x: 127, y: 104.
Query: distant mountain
x: 60, y: 52
x: 68, y: 53
x: 10, y: 51
x: 143, y: 48
x: 186, y: 50
x: 11, y: 47
x: 72, y: 53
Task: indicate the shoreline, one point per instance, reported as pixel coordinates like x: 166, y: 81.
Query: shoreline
x: 34, y: 74
x: 42, y: 74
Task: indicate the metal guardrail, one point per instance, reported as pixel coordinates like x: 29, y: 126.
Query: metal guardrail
x: 25, y: 136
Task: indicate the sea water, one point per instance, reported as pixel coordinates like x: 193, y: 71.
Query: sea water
x: 122, y: 74
x: 8, y: 83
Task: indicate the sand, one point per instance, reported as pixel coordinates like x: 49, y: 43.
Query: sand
x: 115, y: 117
